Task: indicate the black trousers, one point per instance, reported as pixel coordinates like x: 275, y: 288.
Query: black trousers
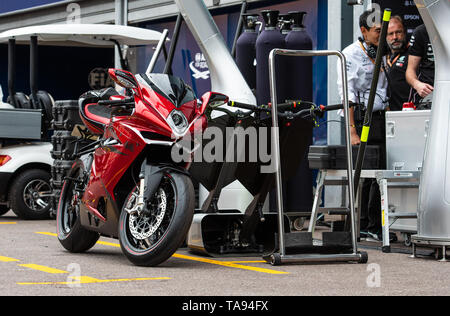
x: 370, y: 192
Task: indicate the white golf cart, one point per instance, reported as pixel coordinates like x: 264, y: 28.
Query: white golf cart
x: 26, y: 121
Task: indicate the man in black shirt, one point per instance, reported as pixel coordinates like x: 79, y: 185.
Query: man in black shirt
x: 420, y: 72
x: 397, y: 63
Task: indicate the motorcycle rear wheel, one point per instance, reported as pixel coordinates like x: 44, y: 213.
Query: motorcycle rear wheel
x: 150, y: 238
x: 72, y: 236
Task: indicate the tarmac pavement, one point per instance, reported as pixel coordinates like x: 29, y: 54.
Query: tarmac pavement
x: 33, y: 263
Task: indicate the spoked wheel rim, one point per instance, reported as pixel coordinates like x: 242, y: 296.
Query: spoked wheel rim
x: 70, y: 208
x: 37, y: 195
x: 144, y: 230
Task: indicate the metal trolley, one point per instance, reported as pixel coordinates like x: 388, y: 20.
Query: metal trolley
x: 315, y: 254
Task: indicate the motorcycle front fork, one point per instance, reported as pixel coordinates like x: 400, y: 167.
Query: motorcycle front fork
x: 141, y: 202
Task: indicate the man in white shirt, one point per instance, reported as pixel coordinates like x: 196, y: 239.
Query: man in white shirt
x: 360, y: 67
x: 360, y: 58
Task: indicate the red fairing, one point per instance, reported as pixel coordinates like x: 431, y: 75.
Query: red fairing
x: 126, y: 135
x: 110, y: 163
x: 147, y: 118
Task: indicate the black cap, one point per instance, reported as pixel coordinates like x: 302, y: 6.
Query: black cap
x: 250, y: 20
x: 270, y: 17
x: 286, y: 21
x: 298, y: 18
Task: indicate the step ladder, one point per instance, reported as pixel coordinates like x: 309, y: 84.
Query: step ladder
x: 399, y: 179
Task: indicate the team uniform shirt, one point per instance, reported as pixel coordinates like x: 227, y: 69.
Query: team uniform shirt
x: 399, y: 89
x: 420, y: 46
x: 360, y: 69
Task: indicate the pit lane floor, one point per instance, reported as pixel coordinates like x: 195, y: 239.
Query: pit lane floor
x: 32, y: 262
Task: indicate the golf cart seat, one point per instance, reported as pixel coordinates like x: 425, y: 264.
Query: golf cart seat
x: 22, y: 101
x: 45, y: 102
x: 96, y: 116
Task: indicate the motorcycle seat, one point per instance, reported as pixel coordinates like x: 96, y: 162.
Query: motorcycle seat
x: 93, y: 115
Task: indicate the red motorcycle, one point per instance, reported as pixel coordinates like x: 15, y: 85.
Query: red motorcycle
x: 126, y: 185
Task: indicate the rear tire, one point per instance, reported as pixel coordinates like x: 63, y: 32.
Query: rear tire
x: 72, y: 236
x: 148, y: 240
x: 30, y: 194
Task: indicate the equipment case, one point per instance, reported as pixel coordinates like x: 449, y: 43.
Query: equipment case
x: 335, y: 157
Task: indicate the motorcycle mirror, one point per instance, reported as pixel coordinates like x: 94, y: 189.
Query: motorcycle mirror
x: 123, y: 78
x: 213, y: 100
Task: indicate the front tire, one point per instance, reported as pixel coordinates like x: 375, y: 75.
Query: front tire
x: 72, y: 236
x: 150, y: 238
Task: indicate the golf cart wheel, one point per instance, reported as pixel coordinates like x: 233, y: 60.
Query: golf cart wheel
x: 363, y: 257
x: 3, y: 209
x: 30, y: 194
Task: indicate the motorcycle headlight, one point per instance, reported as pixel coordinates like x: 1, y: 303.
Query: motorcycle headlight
x: 178, y: 122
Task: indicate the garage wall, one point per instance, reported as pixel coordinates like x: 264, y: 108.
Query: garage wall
x: 91, y: 11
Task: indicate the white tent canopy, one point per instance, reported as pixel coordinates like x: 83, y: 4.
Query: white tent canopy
x: 83, y: 34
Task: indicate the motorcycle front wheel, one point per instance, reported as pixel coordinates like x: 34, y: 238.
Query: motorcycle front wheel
x: 152, y: 236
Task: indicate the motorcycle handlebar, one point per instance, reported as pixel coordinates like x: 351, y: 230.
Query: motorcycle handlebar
x: 265, y: 108
x: 287, y: 106
x: 335, y: 107
x: 313, y: 111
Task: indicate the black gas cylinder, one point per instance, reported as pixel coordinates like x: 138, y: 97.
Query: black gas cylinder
x: 300, y: 76
x: 285, y: 23
x: 269, y: 39
x: 246, y: 49
x: 299, y: 86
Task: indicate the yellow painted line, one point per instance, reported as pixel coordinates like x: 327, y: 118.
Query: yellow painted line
x: 43, y: 268
x: 230, y: 264
x: 247, y: 261
x: 98, y: 242
x: 108, y: 244
x: 89, y: 280
x: 7, y: 259
x: 48, y: 234
x: 8, y: 223
x: 128, y: 280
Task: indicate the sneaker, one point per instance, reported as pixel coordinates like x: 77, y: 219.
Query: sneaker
x: 373, y: 237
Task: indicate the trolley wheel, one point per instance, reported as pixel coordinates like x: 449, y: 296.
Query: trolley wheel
x: 275, y: 259
x: 299, y: 223
x: 407, y: 242
x: 438, y: 254
x: 363, y: 257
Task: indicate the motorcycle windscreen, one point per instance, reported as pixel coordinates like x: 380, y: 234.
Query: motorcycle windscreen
x: 170, y: 87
